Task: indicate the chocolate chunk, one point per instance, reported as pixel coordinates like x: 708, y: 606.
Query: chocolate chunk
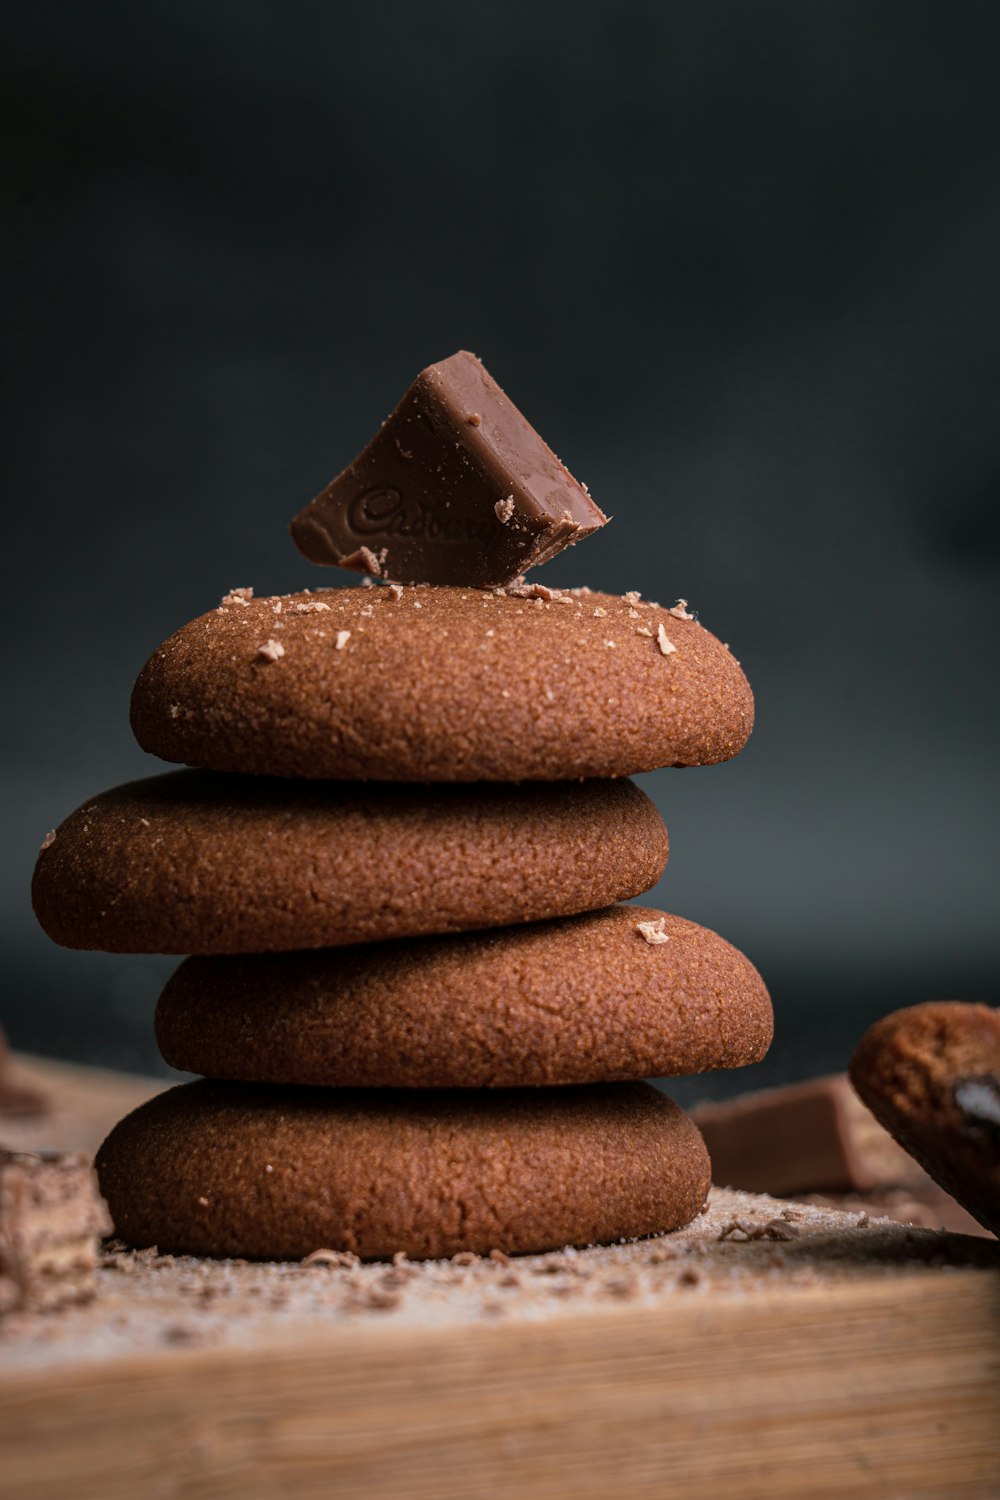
x: 979, y: 1100
x: 807, y: 1137
x: 51, y: 1217
x: 456, y: 487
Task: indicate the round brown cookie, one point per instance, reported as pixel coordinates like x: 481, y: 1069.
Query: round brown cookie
x: 583, y: 999
x: 195, y: 862
x: 931, y: 1075
x: 269, y: 1173
x: 442, y: 684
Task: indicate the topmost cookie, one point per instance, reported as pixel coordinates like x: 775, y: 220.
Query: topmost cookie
x: 442, y: 684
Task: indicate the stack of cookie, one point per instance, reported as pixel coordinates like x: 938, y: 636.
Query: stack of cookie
x: 421, y: 1013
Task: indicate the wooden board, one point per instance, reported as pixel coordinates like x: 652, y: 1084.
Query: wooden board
x: 851, y: 1359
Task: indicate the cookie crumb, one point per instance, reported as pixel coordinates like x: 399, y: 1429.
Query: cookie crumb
x: 396, y: 590
x: 313, y: 607
x: 599, y: 613
x: 236, y: 596
x: 49, y: 839
x: 653, y: 931
x: 270, y: 650
x: 664, y: 642
x: 632, y: 596
x: 643, y: 630
x: 343, y: 636
x: 473, y: 418
x: 680, y: 610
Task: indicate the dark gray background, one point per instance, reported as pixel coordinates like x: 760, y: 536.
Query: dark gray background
x: 739, y: 265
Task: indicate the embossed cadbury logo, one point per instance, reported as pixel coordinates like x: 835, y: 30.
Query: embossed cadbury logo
x: 383, y: 512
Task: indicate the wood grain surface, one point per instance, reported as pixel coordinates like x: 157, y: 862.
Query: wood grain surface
x: 850, y: 1359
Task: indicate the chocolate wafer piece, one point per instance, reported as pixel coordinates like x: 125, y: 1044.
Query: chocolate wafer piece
x: 455, y: 487
x: 51, y: 1218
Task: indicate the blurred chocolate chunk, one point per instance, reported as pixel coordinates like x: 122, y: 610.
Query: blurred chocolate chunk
x: 16, y: 1098
x: 808, y: 1137
x: 51, y: 1221
x: 455, y: 488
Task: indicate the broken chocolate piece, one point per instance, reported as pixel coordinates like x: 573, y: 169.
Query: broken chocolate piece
x: 455, y: 488
x: 808, y: 1137
x: 51, y: 1220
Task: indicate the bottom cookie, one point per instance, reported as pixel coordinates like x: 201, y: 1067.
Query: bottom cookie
x: 271, y: 1173
x: 931, y: 1075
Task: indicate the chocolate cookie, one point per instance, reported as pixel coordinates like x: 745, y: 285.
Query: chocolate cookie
x: 442, y: 684
x: 269, y: 1173
x: 583, y: 999
x: 931, y: 1075
x: 193, y: 862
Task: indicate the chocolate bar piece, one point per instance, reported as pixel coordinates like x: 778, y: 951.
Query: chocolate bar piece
x: 808, y: 1137
x: 455, y: 488
x: 51, y: 1220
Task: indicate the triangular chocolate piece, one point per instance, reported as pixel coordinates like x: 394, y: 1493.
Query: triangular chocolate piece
x: 455, y: 488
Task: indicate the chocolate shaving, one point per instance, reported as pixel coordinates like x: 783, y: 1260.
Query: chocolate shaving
x: 364, y: 560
